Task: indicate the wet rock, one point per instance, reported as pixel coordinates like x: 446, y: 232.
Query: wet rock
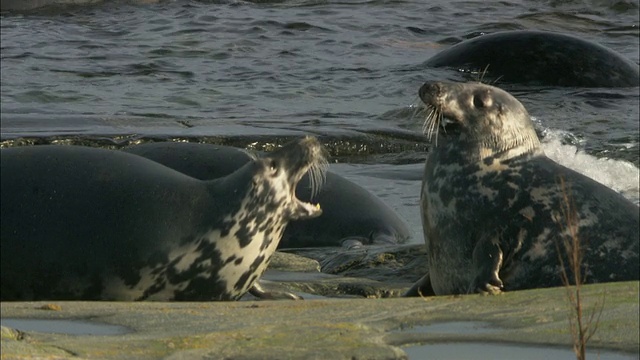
x: 389, y: 263
x: 370, y: 272
x: 292, y: 262
x: 313, y: 285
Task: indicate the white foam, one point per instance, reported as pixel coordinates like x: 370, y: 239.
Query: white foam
x: 619, y: 175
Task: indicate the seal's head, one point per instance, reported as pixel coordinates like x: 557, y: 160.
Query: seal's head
x: 482, y: 117
x: 283, y: 169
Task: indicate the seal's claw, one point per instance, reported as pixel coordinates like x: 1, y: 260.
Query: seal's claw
x: 490, y: 288
x: 421, y: 288
x: 261, y: 293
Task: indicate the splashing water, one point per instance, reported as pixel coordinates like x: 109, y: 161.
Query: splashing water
x: 619, y: 175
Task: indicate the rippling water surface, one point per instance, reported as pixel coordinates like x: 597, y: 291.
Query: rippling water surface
x: 344, y: 69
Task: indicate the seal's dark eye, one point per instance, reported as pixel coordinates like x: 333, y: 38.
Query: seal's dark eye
x: 273, y: 165
x: 478, y: 101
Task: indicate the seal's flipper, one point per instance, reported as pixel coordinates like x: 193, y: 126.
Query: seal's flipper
x: 258, y: 291
x: 422, y: 287
x: 487, y: 260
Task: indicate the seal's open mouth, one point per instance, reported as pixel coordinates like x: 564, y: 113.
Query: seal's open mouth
x: 450, y: 126
x: 317, y: 171
x: 297, y: 158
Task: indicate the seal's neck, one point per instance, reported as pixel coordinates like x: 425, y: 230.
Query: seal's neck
x: 467, y: 149
x: 509, y: 147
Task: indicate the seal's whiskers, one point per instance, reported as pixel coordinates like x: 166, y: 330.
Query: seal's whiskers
x: 427, y: 121
x: 432, y: 122
x: 417, y: 107
x: 483, y: 73
x: 317, y: 176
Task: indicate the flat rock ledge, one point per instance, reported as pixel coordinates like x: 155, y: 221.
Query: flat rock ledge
x: 319, y: 328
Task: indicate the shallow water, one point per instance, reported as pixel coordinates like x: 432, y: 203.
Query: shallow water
x: 454, y: 327
x: 498, y: 351
x: 487, y: 350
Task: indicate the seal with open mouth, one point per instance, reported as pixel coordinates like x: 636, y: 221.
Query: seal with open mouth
x: 496, y: 211
x: 95, y: 224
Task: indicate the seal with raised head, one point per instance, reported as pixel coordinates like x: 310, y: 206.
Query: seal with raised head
x: 496, y: 211
x: 96, y: 224
x: 540, y: 58
x: 351, y: 214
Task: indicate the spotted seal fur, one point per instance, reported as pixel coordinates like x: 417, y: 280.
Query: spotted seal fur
x: 96, y: 224
x: 492, y: 202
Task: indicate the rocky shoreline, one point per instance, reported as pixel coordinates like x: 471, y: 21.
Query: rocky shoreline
x: 355, y: 328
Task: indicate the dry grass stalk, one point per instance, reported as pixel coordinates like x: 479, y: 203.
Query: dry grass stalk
x: 582, y: 329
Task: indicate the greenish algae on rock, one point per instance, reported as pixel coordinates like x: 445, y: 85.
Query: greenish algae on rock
x: 319, y: 329
x: 291, y: 262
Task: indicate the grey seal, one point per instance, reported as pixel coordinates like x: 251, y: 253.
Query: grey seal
x: 540, y: 58
x: 97, y: 224
x: 492, y: 202
x: 351, y: 214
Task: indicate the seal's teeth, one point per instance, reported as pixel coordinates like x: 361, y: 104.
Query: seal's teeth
x: 306, y: 210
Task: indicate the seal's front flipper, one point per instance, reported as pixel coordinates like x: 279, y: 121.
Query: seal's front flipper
x: 422, y: 287
x: 487, y: 260
x: 258, y: 291
x: 352, y: 243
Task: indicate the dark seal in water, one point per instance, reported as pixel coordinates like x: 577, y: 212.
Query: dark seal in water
x: 540, y: 58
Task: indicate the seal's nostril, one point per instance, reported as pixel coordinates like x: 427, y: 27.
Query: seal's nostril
x: 429, y: 90
x: 426, y: 91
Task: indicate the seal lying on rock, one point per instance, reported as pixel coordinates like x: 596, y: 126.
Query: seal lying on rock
x: 494, y: 207
x: 540, y: 58
x: 95, y: 224
x: 351, y: 214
